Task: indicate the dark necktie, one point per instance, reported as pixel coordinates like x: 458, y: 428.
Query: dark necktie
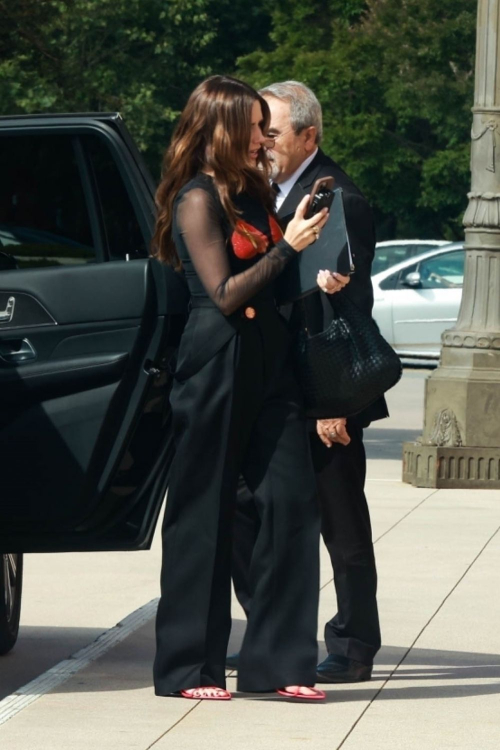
x: 275, y: 187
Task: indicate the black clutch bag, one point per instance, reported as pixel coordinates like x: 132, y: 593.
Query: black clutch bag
x: 345, y: 368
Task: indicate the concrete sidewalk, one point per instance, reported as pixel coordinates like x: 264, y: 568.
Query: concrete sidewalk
x: 437, y: 679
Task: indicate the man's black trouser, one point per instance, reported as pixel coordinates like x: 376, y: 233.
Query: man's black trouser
x: 354, y: 631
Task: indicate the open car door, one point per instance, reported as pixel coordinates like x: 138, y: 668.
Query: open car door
x: 88, y: 323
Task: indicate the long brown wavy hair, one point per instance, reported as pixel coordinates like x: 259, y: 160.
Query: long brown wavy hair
x: 212, y: 135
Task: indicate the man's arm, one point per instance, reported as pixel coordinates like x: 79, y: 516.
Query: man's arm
x: 361, y: 231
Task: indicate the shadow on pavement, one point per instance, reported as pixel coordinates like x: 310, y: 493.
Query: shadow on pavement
x: 38, y: 649
x: 128, y: 666
x: 421, y: 665
x: 430, y: 664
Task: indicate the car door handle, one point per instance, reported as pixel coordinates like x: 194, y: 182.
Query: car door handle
x: 17, y: 351
x: 7, y: 314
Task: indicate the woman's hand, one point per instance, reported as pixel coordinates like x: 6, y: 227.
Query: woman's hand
x: 331, y: 282
x: 332, y: 431
x: 300, y: 232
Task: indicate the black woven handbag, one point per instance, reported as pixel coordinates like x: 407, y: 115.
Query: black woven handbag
x: 347, y: 367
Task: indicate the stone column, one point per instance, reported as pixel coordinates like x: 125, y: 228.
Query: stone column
x: 460, y: 445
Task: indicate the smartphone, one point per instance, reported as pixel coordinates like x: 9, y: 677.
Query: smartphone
x: 321, y: 196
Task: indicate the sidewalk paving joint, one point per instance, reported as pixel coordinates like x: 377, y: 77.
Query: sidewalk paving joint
x: 394, y: 525
x: 417, y: 638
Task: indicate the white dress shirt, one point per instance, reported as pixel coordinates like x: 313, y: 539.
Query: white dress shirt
x: 285, y: 187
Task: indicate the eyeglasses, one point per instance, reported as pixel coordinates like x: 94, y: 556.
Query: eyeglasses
x: 271, y: 138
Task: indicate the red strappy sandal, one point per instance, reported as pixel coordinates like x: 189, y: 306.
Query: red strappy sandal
x: 206, y: 693
x: 317, y: 695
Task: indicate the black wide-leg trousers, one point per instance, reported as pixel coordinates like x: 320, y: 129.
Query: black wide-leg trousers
x: 240, y: 414
x: 354, y: 632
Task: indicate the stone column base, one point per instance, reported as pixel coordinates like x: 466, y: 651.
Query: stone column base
x: 452, y: 468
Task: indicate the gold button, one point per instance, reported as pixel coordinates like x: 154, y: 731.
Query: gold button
x: 250, y: 313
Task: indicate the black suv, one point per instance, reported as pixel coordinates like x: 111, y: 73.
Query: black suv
x: 88, y: 323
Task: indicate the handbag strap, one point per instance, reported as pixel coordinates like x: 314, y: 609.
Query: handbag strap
x: 311, y: 313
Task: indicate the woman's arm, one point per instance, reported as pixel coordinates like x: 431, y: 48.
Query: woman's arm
x: 199, y: 224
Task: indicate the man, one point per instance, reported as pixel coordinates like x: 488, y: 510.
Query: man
x: 353, y: 635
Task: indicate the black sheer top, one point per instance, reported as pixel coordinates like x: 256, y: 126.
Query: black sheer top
x: 203, y: 238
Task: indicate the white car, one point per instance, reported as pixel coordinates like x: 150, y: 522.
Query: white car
x: 418, y: 299
x: 390, y: 252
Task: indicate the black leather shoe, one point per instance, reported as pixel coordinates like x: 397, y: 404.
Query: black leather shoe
x: 341, y: 669
x: 232, y: 660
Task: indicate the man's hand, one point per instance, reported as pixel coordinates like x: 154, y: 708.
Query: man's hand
x: 332, y: 431
x: 331, y: 282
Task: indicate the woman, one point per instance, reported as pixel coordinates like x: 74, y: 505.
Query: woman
x: 236, y: 409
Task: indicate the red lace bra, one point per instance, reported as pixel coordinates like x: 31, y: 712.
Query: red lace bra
x: 248, y: 241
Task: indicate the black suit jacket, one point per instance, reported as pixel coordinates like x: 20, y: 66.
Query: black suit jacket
x: 361, y: 231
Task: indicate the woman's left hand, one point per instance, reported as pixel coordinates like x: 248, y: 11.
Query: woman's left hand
x: 330, y: 282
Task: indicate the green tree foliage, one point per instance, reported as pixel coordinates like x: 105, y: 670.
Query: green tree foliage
x: 395, y: 78
x: 141, y: 57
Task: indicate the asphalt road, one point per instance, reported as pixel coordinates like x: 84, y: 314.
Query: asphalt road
x: 70, y: 599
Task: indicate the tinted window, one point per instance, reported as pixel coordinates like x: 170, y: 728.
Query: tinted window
x: 390, y: 255
x: 43, y: 213
x: 420, y: 249
x: 390, y: 282
x: 122, y: 231
x: 442, y: 272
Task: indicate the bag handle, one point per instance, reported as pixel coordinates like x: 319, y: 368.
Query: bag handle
x: 311, y: 313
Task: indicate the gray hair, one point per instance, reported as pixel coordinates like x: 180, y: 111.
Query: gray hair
x: 305, y: 109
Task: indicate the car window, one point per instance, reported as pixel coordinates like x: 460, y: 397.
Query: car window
x: 44, y: 219
x: 122, y: 231
x: 420, y: 249
x: 391, y: 282
x: 388, y: 256
x: 444, y: 271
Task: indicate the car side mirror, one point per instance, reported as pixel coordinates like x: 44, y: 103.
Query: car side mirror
x: 413, y: 280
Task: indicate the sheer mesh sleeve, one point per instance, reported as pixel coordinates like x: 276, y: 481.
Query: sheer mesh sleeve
x: 199, y: 225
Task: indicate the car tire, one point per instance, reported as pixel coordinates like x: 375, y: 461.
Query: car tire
x: 11, y: 586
